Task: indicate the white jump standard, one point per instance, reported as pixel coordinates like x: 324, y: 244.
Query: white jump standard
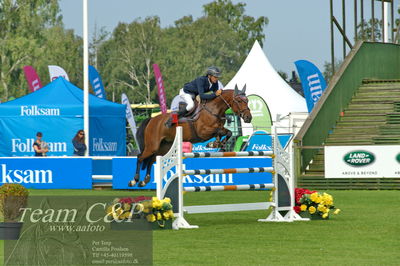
x: 282, y: 186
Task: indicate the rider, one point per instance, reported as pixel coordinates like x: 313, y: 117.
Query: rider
x: 207, y: 87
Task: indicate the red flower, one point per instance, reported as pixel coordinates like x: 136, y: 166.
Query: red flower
x: 126, y: 200
x: 297, y: 209
x: 299, y: 192
x: 141, y: 198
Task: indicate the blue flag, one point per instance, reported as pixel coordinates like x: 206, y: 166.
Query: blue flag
x: 312, y: 81
x: 96, y: 82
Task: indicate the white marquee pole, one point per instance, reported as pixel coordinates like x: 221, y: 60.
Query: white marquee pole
x: 86, y: 75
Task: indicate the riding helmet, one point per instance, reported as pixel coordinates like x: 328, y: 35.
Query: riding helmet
x: 214, y: 71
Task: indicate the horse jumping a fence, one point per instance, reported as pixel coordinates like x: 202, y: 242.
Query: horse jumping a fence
x: 282, y: 186
x: 156, y: 139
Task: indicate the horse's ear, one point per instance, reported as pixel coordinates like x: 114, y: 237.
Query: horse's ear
x: 236, y: 90
x: 244, y: 89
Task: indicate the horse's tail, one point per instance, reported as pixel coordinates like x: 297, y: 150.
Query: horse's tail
x: 140, y: 138
x: 140, y: 134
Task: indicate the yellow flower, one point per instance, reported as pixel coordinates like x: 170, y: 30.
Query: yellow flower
x: 166, y: 215
x: 315, y: 197
x: 139, y: 208
x: 325, y: 215
x: 156, y: 203
x: 327, y: 199
x: 110, y: 210
x: 125, y: 215
x: 312, y: 210
x: 126, y: 207
x: 170, y: 213
x: 168, y: 200
x: 303, y: 207
x: 336, y: 211
x: 147, y: 204
x: 159, y: 216
x: 321, y: 208
x: 151, y: 218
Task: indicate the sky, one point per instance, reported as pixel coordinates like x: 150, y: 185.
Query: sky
x: 297, y: 29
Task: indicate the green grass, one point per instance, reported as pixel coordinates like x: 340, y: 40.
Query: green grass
x: 366, y: 232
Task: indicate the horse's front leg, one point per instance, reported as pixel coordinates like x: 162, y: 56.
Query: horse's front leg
x: 227, y: 133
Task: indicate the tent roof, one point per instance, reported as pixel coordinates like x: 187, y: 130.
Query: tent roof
x: 262, y: 79
x: 69, y: 98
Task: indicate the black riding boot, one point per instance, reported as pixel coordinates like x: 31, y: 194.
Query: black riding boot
x: 181, y: 112
x: 182, y: 109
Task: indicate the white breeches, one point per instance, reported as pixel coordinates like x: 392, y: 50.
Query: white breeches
x: 188, y: 99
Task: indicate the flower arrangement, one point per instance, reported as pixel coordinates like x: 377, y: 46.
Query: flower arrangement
x: 13, y: 197
x: 314, y: 202
x: 150, y: 208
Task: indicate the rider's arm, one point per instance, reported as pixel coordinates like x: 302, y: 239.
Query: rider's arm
x: 200, y: 88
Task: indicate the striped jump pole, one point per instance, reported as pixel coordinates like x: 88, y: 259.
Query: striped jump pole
x: 227, y: 154
x: 230, y: 171
x: 227, y: 188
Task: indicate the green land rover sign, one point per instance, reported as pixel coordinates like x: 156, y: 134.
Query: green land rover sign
x: 359, y: 158
x: 398, y: 158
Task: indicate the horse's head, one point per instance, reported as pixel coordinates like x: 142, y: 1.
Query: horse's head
x: 240, y: 104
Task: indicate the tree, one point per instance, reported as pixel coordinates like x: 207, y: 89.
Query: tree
x: 188, y: 49
x: 223, y: 37
x: 99, y: 36
x: 21, y: 36
x: 367, y: 33
x: 63, y: 48
x: 283, y: 74
x: 130, y: 52
x: 248, y: 28
x: 328, y: 71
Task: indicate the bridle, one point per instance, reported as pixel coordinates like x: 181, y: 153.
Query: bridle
x: 241, y: 111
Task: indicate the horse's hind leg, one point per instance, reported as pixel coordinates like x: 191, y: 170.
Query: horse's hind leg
x: 133, y: 182
x: 147, y: 178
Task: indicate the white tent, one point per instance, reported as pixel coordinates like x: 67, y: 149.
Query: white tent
x: 262, y: 79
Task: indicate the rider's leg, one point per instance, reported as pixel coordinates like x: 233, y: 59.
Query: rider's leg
x: 186, y: 105
x: 188, y: 98
x: 182, y: 109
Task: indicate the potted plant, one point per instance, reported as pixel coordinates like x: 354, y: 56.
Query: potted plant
x: 141, y: 213
x: 13, y: 197
x: 314, y: 204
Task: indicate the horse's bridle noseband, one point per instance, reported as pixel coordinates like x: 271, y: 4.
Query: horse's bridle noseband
x: 241, y: 111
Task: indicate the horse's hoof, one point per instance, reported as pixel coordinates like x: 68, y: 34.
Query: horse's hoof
x: 142, y: 184
x: 132, y: 183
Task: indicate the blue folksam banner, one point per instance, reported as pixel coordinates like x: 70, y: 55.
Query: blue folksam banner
x: 312, y: 81
x: 123, y: 170
x: 47, y: 173
x: 262, y: 141
x: 202, y: 146
x: 96, y: 82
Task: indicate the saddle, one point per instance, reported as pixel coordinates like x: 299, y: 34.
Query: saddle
x: 193, y: 114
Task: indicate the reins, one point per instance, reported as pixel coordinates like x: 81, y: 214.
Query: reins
x: 204, y: 106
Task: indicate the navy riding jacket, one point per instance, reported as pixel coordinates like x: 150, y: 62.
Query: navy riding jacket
x: 201, y: 86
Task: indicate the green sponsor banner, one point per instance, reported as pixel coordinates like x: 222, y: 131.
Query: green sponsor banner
x: 260, y: 112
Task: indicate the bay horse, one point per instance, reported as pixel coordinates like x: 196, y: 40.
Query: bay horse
x: 156, y: 139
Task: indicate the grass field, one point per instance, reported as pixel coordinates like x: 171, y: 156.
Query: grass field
x: 366, y: 232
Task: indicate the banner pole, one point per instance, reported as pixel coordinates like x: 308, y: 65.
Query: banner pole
x: 86, y: 76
